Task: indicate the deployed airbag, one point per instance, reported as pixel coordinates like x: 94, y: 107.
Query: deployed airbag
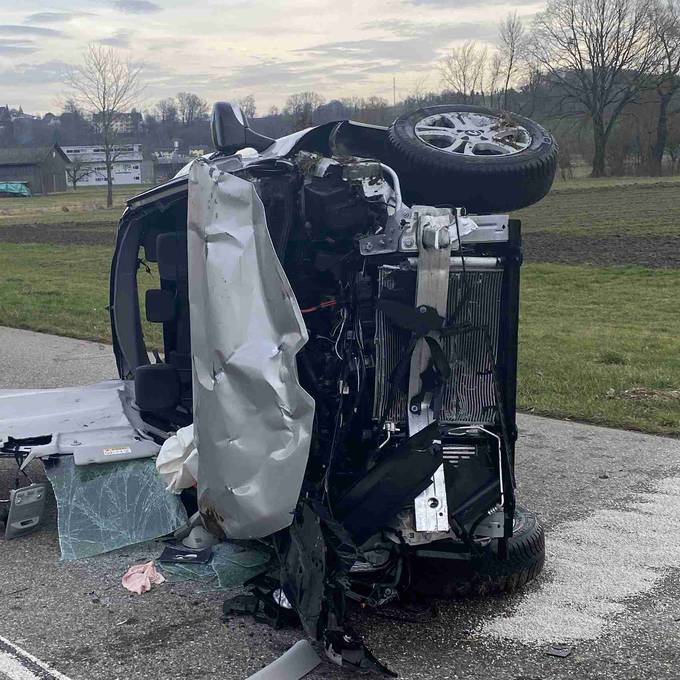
x: 252, y: 418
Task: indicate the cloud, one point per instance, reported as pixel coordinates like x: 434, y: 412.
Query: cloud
x: 19, y: 42
x: 38, y: 31
x: 404, y: 44
x: 49, y: 17
x: 17, y: 46
x: 441, y: 30
x: 462, y: 4
x: 16, y: 49
x: 136, y: 6
x: 118, y: 39
x: 25, y: 75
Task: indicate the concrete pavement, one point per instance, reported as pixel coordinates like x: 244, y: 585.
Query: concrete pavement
x: 34, y: 360
x: 610, y: 501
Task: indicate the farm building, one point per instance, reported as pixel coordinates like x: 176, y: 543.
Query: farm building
x: 129, y: 165
x: 42, y: 169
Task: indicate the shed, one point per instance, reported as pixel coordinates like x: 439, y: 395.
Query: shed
x: 42, y: 169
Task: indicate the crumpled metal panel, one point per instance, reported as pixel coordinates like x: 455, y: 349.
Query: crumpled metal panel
x: 96, y: 422
x: 32, y: 413
x: 252, y: 419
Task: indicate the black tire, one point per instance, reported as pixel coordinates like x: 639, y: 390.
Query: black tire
x: 481, y: 184
x: 489, y: 574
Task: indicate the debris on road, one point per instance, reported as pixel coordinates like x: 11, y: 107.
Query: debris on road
x: 104, y: 507
x: 294, y: 664
x: 140, y: 577
x: 561, y: 651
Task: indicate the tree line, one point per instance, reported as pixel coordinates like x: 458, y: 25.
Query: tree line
x: 603, y: 75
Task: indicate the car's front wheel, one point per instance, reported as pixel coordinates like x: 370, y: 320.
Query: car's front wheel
x: 472, y: 157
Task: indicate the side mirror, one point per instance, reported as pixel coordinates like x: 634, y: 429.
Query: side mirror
x: 230, y: 131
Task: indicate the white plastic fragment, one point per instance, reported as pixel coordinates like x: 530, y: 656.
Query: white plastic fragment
x: 177, y: 461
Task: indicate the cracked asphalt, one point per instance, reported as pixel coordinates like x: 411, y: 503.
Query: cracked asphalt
x: 612, y: 493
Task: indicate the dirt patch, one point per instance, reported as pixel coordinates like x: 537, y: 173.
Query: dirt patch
x: 646, y: 394
x: 659, y: 250
x: 540, y: 246
x: 104, y: 234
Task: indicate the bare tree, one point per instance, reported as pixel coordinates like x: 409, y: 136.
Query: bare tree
x: 599, y: 53
x: 77, y: 170
x: 496, y: 68
x: 511, y: 37
x: 301, y: 106
x: 533, y: 81
x: 191, y: 107
x: 106, y: 86
x: 70, y: 106
x: 417, y: 97
x: 666, y: 22
x: 248, y: 106
x: 167, y: 110
x: 462, y: 69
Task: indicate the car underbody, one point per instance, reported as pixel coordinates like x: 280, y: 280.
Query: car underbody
x: 341, y: 329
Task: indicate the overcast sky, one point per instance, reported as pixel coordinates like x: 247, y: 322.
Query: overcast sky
x: 226, y: 49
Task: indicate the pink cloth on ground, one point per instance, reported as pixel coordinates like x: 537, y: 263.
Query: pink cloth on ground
x: 140, y: 577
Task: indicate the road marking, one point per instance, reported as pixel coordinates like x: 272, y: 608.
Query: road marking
x: 593, y: 565
x: 11, y: 668
x: 18, y: 664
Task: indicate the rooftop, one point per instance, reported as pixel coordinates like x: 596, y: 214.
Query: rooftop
x: 28, y: 155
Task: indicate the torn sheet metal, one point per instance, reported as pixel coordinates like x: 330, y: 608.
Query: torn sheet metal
x: 105, y: 507
x: 95, y: 423
x: 252, y: 418
x: 294, y: 664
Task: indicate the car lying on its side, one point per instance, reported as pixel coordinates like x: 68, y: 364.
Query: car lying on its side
x: 339, y: 311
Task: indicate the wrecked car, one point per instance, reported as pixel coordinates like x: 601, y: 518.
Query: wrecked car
x: 339, y: 313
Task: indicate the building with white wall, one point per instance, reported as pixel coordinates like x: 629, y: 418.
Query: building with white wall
x: 129, y: 166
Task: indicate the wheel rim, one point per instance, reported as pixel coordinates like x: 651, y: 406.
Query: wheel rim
x: 473, y: 134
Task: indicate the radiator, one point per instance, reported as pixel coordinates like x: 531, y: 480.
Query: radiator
x: 469, y: 395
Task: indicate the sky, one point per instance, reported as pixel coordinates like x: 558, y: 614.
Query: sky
x: 227, y: 49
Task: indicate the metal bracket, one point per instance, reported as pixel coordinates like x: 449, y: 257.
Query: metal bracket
x: 432, y: 290
x: 387, y: 241
x: 432, y: 509
x: 26, y: 506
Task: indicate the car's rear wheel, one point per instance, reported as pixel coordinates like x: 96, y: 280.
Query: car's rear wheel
x: 469, y: 156
x: 488, y: 573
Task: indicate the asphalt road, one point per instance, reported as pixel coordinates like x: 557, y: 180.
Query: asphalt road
x: 610, y: 502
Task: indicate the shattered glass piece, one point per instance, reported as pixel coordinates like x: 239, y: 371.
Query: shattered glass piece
x: 236, y: 563
x: 104, y: 507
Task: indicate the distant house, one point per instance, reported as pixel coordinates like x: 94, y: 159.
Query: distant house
x: 42, y: 169
x: 123, y: 123
x: 129, y: 165
x: 168, y: 162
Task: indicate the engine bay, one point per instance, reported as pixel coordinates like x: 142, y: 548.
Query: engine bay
x: 407, y: 350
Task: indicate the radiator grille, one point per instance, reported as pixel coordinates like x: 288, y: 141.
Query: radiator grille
x: 469, y: 395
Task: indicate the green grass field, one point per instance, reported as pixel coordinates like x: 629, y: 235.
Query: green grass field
x: 83, y: 206
x: 599, y: 344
